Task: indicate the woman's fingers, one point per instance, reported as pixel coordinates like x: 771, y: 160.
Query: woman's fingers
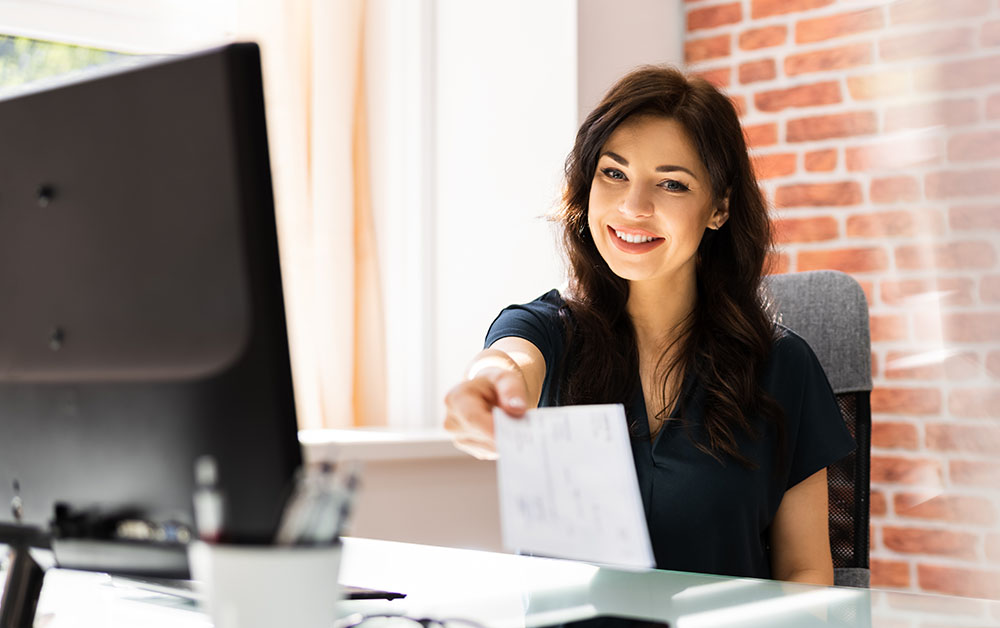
x: 470, y: 409
x: 511, y: 393
x: 481, y: 449
x: 470, y: 406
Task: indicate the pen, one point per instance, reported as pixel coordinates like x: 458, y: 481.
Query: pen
x: 208, y: 503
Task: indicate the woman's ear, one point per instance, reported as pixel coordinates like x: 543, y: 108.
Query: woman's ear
x: 720, y: 215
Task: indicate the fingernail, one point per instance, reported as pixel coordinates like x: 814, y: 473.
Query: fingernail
x: 516, y: 402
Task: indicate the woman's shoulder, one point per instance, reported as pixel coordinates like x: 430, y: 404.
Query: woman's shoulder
x: 792, y: 361
x: 790, y: 347
x: 547, y: 305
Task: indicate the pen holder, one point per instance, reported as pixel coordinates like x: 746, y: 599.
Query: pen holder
x: 262, y: 586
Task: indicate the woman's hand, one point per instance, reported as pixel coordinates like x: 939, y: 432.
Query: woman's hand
x: 508, y: 376
x: 470, y: 404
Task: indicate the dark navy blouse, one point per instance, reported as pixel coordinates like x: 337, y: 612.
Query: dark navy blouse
x: 704, y: 515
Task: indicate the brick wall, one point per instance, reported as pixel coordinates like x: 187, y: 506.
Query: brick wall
x: 875, y: 127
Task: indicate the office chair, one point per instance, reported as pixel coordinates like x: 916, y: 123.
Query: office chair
x: 829, y: 310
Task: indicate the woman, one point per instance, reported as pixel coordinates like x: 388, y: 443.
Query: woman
x: 732, y: 418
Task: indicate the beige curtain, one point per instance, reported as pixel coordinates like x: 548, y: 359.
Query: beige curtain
x: 313, y: 63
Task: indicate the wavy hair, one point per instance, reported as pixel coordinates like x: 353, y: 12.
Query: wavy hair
x: 727, y: 338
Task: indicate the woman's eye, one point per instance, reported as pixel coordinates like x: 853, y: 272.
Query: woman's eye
x: 613, y: 173
x: 674, y: 186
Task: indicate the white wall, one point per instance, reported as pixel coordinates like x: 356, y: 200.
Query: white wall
x: 505, y: 119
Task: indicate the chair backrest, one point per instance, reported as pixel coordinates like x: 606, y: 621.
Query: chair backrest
x: 829, y: 310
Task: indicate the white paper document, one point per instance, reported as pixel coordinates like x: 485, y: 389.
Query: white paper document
x: 568, y: 486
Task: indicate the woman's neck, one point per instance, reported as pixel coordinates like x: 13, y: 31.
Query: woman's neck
x: 658, y: 309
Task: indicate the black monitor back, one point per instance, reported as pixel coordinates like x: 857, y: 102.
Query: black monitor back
x: 141, y: 314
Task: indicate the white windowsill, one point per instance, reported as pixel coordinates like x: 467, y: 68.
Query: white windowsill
x: 331, y: 445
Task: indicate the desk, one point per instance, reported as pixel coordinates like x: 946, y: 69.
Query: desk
x: 504, y: 590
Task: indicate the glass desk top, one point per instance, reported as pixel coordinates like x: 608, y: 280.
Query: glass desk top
x: 504, y: 590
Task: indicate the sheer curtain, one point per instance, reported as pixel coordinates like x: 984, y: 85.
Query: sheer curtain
x: 313, y: 63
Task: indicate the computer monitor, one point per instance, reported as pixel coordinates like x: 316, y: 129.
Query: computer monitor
x: 141, y: 316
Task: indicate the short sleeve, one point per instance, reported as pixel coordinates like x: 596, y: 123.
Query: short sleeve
x: 816, y: 433
x: 539, y: 323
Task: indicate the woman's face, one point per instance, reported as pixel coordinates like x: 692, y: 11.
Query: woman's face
x: 651, y: 200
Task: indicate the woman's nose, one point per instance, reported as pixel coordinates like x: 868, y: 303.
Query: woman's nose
x: 636, y: 203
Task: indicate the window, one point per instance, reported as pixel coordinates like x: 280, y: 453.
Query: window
x: 24, y: 60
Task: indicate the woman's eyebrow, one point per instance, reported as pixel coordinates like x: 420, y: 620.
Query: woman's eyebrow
x: 666, y: 168
x: 672, y: 168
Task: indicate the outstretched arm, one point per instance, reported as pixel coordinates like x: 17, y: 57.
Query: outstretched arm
x: 508, y: 375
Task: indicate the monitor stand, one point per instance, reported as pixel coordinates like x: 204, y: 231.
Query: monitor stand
x: 23, y: 584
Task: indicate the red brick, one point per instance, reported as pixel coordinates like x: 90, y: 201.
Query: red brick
x: 993, y: 107
x: 880, y: 85
x: 895, y: 189
x: 875, y: 360
x: 939, y: 507
x: 899, y: 470
x: 895, y: 154
x: 993, y: 548
x: 923, y: 541
x: 765, y: 8
x: 826, y: 93
x: 831, y: 26
x: 740, y: 104
x: 765, y: 37
x: 922, y: 401
x: 955, y: 255
x: 894, y: 224
x: 913, y: 11
x: 827, y: 60
x: 708, y: 48
x: 974, y: 473
x: 839, y: 194
x: 974, y: 403
x: 976, y: 439
x: 710, y: 17
x: 805, y: 229
x: 989, y: 289
x: 931, y: 365
x: 954, y: 112
x: 974, y: 217
x: 754, y: 71
x: 761, y: 134
x: 967, y: 73
x: 971, y: 326
x: 719, y: 77
x: 928, y: 44
x: 962, y: 183
x: 777, y: 264
x: 990, y: 34
x: 890, y: 435
x: 858, y: 260
x: 959, y: 581
x: 832, y: 125
x: 894, y: 574
x: 993, y: 364
x: 823, y: 160
x: 774, y: 165
x: 974, y: 146
x: 877, y: 504
x: 888, y: 327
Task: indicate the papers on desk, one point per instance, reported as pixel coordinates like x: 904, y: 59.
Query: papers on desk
x: 568, y: 486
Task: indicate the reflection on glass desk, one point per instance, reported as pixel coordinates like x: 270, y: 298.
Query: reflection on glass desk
x: 504, y: 590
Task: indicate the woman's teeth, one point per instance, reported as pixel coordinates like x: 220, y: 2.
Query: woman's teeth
x: 634, y: 239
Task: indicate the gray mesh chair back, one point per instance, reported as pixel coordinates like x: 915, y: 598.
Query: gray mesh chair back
x: 829, y: 310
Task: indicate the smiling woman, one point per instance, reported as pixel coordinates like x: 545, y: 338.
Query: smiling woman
x: 733, y: 422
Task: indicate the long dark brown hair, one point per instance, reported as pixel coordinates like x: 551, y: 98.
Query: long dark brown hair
x: 726, y: 340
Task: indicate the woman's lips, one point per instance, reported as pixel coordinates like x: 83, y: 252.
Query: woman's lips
x: 634, y: 247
